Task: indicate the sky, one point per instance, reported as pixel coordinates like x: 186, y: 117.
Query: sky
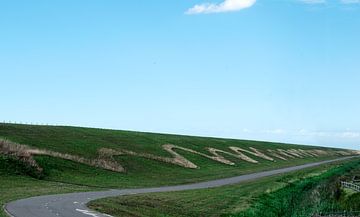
x: 274, y: 70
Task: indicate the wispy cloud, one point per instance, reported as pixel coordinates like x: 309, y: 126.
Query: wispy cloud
x: 346, y: 134
x: 313, y: 1
x: 345, y: 138
x: 326, y: 1
x: 276, y: 131
x: 246, y: 130
x: 350, y: 1
x: 225, y: 6
x: 236, y: 5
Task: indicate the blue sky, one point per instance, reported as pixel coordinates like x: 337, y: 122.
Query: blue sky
x: 285, y: 71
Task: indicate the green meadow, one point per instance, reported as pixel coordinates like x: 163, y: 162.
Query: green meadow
x: 297, y: 194
x: 59, y: 175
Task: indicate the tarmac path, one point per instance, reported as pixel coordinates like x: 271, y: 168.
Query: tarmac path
x: 74, y: 204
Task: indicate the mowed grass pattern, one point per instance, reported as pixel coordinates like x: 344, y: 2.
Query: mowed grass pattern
x: 140, y: 172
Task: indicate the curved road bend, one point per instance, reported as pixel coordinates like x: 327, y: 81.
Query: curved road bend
x: 74, y: 204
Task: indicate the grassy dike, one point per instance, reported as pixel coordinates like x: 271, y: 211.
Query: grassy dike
x: 140, y: 172
x: 319, y: 194
x: 16, y: 183
x: 295, y: 194
x: 60, y: 176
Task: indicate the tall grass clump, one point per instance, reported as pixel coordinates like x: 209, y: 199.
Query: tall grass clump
x: 15, y: 159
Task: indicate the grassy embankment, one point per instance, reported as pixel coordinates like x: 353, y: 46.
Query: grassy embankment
x: 295, y: 194
x: 60, y: 175
x: 16, y: 183
x: 142, y: 172
x: 319, y: 194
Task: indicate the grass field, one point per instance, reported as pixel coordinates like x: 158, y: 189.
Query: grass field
x: 59, y: 175
x: 284, y: 195
x: 18, y: 187
x: 16, y: 184
x: 139, y: 171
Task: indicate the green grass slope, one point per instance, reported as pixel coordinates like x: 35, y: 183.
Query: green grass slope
x: 297, y: 194
x: 86, y: 142
x: 18, y: 180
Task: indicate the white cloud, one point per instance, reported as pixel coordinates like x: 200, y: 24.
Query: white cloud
x: 350, y: 134
x: 325, y: 1
x: 246, y: 130
x: 314, y: 1
x: 350, y: 1
x: 303, y: 132
x: 225, y: 6
x: 276, y: 131
x: 342, y: 134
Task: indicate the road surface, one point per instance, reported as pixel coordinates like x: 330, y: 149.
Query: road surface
x: 74, y: 204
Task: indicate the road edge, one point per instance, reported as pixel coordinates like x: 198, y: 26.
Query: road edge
x: 6, y: 211
x: 331, y: 161
x: 317, y: 164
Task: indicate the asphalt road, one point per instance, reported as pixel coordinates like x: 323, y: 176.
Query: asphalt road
x: 74, y: 204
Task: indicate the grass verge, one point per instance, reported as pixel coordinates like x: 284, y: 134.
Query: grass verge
x: 224, y: 201
x: 15, y: 183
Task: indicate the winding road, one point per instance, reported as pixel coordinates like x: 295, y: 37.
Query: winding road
x: 74, y: 204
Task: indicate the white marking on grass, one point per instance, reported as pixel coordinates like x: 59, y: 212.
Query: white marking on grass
x: 87, y: 212
x: 91, y: 213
